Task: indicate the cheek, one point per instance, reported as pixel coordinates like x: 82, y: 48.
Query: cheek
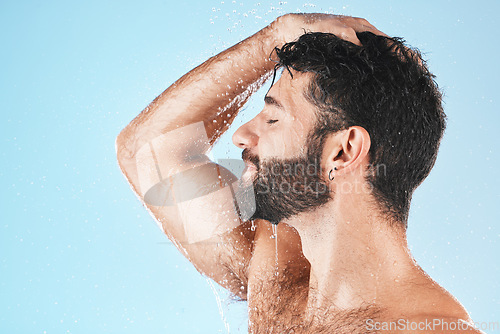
x: 286, y: 140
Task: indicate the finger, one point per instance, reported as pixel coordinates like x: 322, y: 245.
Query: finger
x: 360, y: 25
x: 348, y: 34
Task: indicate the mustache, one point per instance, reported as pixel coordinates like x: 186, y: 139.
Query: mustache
x: 247, y: 156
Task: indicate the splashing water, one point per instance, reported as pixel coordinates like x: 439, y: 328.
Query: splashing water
x: 219, y: 304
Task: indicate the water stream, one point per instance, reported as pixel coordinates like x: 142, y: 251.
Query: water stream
x: 275, y: 237
x: 219, y: 304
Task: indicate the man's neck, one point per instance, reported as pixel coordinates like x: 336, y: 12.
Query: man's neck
x: 357, y: 258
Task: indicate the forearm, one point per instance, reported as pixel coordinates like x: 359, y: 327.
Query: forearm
x: 167, y: 141
x: 215, y: 90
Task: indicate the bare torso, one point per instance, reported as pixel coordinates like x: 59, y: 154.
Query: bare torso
x: 277, y: 294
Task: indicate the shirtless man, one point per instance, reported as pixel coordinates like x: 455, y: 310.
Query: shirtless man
x: 347, y: 133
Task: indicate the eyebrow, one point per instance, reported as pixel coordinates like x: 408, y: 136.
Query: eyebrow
x: 272, y: 101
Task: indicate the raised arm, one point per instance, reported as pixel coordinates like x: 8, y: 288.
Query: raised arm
x: 162, y: 151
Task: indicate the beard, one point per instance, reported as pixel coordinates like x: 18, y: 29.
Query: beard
x: 286, y: 187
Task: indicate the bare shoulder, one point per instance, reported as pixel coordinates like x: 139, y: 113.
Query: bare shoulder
x: 427, y: 307
x: 440, y: 312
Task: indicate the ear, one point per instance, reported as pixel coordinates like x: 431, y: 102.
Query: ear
x: 346, y: 150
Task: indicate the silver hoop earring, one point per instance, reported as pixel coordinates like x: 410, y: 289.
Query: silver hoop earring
x: 330, y: 177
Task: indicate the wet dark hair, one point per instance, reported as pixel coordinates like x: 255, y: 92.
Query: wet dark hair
x: 384, y: 87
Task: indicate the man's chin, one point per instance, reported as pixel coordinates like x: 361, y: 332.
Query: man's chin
x: 266, y: 218
x: 269, y: 212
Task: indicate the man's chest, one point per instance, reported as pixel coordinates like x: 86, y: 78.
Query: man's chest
x: 276, y: 304
x: 278, y: 282
x: 278, y: 293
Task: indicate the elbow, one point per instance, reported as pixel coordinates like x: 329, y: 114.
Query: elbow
x: 119, y: 145
x: 122, y: 147
x: 125, y: 156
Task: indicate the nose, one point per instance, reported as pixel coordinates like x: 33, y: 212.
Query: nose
x: 245, y: 137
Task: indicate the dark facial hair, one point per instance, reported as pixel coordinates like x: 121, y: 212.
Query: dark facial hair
x: 286, y: 187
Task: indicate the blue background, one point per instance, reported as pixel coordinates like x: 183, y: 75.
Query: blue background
x: 78, y: 252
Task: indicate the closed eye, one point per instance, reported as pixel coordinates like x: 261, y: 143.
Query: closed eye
x: 271, y: 121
